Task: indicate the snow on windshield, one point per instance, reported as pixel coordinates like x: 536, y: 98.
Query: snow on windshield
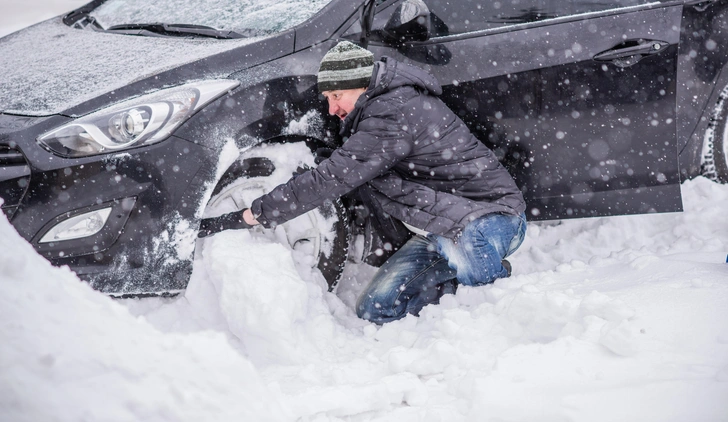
x: 267, y: 15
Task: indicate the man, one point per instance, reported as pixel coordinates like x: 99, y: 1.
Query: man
x: 422, y: 166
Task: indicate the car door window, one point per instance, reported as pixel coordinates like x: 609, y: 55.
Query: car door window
x: 461, y: 16
x: 452, y: 17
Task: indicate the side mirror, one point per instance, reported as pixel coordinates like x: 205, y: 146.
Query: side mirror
x: 409, y: 22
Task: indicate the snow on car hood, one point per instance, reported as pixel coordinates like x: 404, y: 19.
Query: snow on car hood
x: 50, y: 67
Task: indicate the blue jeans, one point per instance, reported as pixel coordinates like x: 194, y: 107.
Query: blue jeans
x: 425, y: 267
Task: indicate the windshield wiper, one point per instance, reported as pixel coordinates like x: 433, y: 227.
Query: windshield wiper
x: 177, y: 30
x: 81, y: 19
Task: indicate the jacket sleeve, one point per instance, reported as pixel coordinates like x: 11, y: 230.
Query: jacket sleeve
x: 380, y: 142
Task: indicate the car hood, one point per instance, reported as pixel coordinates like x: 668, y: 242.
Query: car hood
x: 50, y: 67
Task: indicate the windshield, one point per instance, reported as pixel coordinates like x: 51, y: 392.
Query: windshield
x: 235, y: 15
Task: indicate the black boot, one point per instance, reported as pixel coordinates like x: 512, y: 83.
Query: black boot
x: 507, y: 266
x: 446, y: 288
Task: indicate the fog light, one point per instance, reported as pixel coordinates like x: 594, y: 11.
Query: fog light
x: 82, y: 225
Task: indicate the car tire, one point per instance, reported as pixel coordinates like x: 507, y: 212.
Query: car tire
x: 323, y: 233
x: 715, y: 147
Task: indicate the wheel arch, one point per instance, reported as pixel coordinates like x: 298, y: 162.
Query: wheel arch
x: 252, y: 167
x: 696, y: 118
x: 691, y: 156
x: 330, y: 264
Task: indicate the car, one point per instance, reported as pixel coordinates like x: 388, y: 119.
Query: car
x: 123, y: 123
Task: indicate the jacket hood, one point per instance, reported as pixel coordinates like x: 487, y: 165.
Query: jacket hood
x: 391, y: 74
x: 50, y: 67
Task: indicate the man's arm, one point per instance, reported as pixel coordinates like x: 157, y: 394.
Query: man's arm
x: 375, y: 148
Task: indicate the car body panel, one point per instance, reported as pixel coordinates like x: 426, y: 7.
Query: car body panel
x: 592, y: 138
x: 141, y: 240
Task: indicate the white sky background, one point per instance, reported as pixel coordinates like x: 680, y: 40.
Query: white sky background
x: 17, y: 14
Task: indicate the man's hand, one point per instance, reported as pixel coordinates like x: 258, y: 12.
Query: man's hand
x: 249, y: 218
x: 232, y: 221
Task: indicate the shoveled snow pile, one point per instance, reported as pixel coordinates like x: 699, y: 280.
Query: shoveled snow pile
x: 70, y: 353
x: 604, y: 319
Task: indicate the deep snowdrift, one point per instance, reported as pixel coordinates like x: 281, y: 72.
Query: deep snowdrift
x: 620, y: 318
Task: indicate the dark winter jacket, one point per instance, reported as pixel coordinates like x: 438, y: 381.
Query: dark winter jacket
x: 421, y: 162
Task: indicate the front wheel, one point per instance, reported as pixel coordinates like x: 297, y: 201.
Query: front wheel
x: 322, y: 234
x: 715, y: 147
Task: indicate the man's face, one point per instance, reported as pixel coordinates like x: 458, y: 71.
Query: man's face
x: 342, y: 101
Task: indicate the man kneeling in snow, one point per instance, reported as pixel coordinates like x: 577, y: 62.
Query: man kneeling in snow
x: 421, y: 166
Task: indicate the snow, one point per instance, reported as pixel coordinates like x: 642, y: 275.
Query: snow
x: 34, y: 85
x: 69, y: 353
x: 619, y: 318
x: 267, y: 15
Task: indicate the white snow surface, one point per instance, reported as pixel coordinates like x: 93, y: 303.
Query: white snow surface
x: 71, y: 66
x: 618, y: 318
x: 271, y: 15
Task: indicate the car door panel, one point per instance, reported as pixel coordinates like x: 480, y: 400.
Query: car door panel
x: 607, y: 131
x: 582, y: 137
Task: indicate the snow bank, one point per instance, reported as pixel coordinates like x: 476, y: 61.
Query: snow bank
x: 620, y: 318
x: 70, y: 353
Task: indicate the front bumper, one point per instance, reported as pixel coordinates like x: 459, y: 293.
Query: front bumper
x: 150, y: 196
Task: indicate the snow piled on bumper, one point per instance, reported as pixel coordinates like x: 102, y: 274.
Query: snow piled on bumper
x: 71, y: 353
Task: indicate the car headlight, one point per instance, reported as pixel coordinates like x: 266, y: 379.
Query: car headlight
x: 140, y: 121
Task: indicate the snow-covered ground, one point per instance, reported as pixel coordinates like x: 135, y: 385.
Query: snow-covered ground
x: 604, y: 319
x: 621, y: 318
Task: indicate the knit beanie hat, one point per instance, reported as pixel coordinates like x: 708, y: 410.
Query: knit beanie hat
x: 346, y: 66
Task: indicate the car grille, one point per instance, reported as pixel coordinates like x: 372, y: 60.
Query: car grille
x: 14, y: 178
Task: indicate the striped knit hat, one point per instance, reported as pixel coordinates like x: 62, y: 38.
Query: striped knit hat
x: 346, y: 66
